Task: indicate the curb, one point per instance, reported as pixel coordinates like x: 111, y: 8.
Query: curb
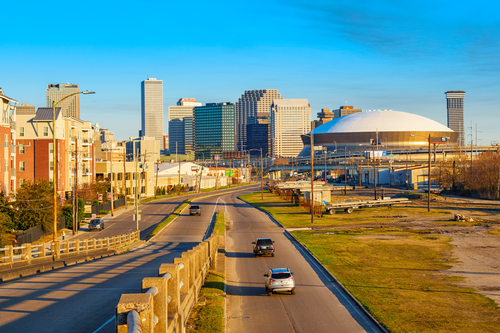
x: 317, y: 261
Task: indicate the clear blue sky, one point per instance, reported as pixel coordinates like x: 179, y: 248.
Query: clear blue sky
x: 389, y: 54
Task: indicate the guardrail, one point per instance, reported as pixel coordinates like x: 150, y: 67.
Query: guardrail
x: 28, y: 254
x: 167, y: 300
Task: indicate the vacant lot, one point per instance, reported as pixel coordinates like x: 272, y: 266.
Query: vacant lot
x: 414, y: 270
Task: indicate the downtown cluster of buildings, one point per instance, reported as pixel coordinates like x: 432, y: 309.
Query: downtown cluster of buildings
x: 261, y: 121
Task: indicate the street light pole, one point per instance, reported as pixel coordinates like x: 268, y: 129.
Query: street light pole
x: 54, y: 151
x: 261, y: 177
x: 429, y: 179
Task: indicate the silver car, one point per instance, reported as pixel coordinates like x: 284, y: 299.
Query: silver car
x: 279, y: 279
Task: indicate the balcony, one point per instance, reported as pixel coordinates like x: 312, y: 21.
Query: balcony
x: 13, y: 173
x: 87, y: 142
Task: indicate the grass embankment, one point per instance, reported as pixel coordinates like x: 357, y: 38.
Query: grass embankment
x: 169, y: 219
x: 399, y: 276
x: 291, y: 215
x: 210, y: 316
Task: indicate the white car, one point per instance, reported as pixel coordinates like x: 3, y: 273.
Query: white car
x: 278, y: 280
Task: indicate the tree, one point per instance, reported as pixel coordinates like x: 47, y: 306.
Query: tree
x: 34, y: 206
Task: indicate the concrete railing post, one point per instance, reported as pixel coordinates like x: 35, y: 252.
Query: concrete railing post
x: 160, y: 301
x: 105, y: 243
x: 190, y: 257
x: 143, y: 304
x: 172, y: 286
x: 57, y: 250
x: 9, y: 253
x: 26, y: 254
x: 93, y: 243
x: 86, y: 245
x: 41, y: 249
x: 66, y: 248
x: 183, y: 274
x: 77, y: 246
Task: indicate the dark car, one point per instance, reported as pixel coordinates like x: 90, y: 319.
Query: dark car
x: 263, y: 246
x: 96, y: 224
x: 194, y: 210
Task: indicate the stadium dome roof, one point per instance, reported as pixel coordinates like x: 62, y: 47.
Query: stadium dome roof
x: 381, y: 121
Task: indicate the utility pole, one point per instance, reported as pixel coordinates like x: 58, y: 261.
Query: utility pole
x: 75, y: 200
x: 125, y: 178
x: 111, y: 182
x: 216, y: 174
x: 136, y: 188
x: 157, y: 167
x: 179, y: 187
x: 312, y: 176
x: 262, y: 177
x: 345, y: 171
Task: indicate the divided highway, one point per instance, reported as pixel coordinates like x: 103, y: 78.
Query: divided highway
x: 82, y: 298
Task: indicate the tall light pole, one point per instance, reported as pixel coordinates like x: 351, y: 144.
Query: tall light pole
x: 54, y: 150
x: 312, y: 176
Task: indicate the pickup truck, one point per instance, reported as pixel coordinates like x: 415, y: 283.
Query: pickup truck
x: 194, y: 210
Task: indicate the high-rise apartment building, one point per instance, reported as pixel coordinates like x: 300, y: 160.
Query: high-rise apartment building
x: 176, y: 125
x: 455, y: 111
x: 258, y: 135
x: 152, y: 109
x: 70, y: 106
x: 253, y: 103
x: 290, y: 118
x: 214, y: 130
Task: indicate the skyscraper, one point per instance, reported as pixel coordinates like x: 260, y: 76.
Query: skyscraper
x: 290, y: 118
x: 178, y: 129
x: 152, y: 109
x: 253, y: 103
x: 71, y: 106
x: 214, y: 129
x: 455, y: 110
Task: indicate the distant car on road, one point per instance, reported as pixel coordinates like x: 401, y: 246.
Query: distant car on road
x: 263, y: 246
x: 96, y: 224
x: 194, y: 210
x: 279, y: 280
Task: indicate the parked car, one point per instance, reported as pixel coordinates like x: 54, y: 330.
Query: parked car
x: 96, y: 224
x: 263, y: 246
x: 279, y: 280
x: 194, y: 210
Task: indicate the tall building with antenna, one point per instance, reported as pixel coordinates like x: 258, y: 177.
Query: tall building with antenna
x: 455, y: 113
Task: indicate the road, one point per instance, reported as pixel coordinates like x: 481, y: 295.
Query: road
x: 318, y: 306
x: 82, y: 298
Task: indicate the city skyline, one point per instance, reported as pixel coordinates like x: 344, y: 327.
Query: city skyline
x: 374, y: 56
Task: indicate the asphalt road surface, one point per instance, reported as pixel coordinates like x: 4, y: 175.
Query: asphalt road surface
x: 317, y: 306
x: 82, y: 298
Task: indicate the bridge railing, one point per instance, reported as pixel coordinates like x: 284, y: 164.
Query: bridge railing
x: 166, y: 301
x: 27, y: 254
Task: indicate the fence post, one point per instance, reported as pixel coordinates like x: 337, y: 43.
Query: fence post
x: 143, y: 304
x: 183, y: 274
x: 160, y: 301
x: 191, y: 262
x: 93, y: 244
x: 105, y: 243
x: 9, y: 253
x: 77, y: 246
x: 41, y: 250
x: 172, y: 286
x: 57, y: 250
x: 26, y: 254
x: 66, y: 250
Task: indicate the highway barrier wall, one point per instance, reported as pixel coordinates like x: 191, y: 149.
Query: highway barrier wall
x: 167, y: 300
x: 30, y: 254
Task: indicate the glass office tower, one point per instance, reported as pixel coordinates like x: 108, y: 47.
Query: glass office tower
x: 214, y: 129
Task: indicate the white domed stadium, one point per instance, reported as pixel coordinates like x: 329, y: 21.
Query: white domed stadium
x: 395, y: 130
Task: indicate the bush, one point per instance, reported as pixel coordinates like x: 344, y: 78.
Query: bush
x: 103, y: 212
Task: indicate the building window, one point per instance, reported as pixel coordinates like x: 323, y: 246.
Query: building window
x: 45, y: 131
x: 21, y: 149
x: 21, y: 166
x: 6, y: 139
x: 21, y: 131
x: 51, y: 166
x: 6, y: 165
x: 51, y: 148
x: 21, y: 182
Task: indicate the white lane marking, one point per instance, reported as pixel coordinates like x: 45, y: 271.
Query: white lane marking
x: 215, y: 207
x: 97, y: 330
